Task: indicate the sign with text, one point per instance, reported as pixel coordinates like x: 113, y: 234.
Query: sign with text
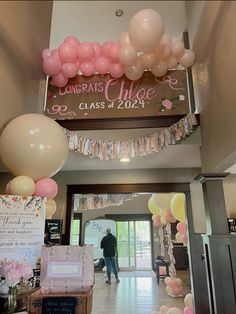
x: 22, y: 222
x: 101, y: 96
x: 59, y: 305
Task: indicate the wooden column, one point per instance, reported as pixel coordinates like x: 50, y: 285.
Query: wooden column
x: 219, y: 247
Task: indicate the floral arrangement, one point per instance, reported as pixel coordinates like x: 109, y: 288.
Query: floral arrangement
x: 12, y: 272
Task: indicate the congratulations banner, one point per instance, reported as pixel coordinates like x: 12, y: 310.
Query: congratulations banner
x: 101, y: 96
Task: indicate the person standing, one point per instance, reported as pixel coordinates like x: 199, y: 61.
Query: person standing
x: 109, y: 246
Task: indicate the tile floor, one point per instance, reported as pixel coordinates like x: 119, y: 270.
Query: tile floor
x: 137, y: 293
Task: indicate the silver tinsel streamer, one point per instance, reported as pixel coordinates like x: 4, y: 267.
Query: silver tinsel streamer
x: 108, y: 149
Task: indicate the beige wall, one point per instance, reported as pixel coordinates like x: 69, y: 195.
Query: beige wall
x: 211, y: 26
x: 24, y: 33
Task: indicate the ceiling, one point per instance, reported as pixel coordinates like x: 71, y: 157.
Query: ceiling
x: 96, y: 21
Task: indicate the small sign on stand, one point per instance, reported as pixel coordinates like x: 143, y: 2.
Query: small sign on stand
x: 59, y: 305
x: 53, y: 231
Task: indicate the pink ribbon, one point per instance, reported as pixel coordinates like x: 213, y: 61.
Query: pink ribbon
x: 170, y: 81
x: 61, y: 110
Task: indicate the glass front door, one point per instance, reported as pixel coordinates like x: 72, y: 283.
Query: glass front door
x: 134, y: 245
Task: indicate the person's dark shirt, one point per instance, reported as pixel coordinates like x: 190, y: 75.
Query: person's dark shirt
x: 109, y: 245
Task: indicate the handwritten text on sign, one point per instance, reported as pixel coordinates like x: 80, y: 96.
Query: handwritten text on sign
x: 101, y: 96
x: 22, y: 222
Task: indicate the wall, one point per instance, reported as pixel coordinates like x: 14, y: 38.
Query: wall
x: 210, y: 26
x: 24, y: 33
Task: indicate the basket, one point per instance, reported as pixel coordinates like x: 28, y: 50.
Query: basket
x: 83, y: 301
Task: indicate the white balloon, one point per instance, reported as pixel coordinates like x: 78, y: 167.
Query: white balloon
x: 188, y: 300
x: 187, y: 59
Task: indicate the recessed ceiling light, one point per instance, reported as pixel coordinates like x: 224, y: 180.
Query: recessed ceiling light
x: 124, y: 159
x: 119, y: 12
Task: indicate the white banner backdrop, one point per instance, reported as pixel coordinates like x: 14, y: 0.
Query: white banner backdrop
x: 22, y: 221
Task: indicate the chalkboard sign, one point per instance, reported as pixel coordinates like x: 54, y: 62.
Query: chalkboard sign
x: 101, y: 96
x: 59, y: 305
x: 53, y: 231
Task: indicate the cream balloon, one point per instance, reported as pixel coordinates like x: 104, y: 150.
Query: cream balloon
x: 145, y: 30
x: 160, y: 69
x: 51, y: 208
x: 127, y: 55
x: 134, y: 72
x: 164, y: 309
x: 174, y: 310
x: 187, y: 59
x: 166, y: 39
x: 188, y: 300
x: 124, y: 39
x: 33, y: 145
x: 177, y: 49
x: 163, y: 52
x: 172, y: 62
x: 148, y: 60
x: 153, y: 207
x: 22, y: 185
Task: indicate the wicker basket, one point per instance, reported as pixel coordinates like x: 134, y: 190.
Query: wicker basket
x: 83, y: 301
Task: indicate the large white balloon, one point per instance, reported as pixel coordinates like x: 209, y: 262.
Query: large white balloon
x: 33, y: 145
x: 145, y: 30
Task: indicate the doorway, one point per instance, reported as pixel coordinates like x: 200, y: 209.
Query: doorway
x: 134, y: 245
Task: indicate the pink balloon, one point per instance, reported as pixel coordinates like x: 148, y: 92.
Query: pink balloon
x: 124, y: 39
x: 46, y: 187
x: 97, y: 50
x: 67, y: 52
x: 145, y: 30
x: 187, y: 59
x: 87, y: 68
x: 185, y: 239
x: 46, y: 53
x: 85, y: 51
x: 7, y: 189
x: 102, y: 65
x: 116, y: 70
x: 55, y: 52
x: 181, y: 227
x: 127, y: 55
x: 59, y: 80
x: 106, y: 48
x: 176, y: 290
x: 51, y: 65
x: 188, y: 310
x: 69, y: 70
x: 77, y: 64
x: 134, y: 72
x: 72, y: 40
x: 157, y: 222
x: 114, y: 52
x: 172, y: 284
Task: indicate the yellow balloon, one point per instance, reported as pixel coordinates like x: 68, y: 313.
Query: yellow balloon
x: 162, y: 200
x: 177, y: 206
x: 153, y: 207
x: 22, y: 185
x: 51, y: 208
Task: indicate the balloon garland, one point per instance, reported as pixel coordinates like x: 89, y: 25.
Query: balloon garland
x: 144, y: 47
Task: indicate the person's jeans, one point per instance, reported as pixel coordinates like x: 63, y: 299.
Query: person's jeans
x: 111, y: 265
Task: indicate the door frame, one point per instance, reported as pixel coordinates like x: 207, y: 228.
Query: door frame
x: 123, y: 188
x: 136, y: 217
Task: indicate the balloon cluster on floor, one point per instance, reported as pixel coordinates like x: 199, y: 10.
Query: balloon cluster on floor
x: 174, y: 287
x: 144, y: 47
x: 188, y: 309
x: 34, y: 148
x: 168, y: 208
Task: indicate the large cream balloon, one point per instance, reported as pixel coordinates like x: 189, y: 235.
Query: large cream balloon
x: 145, y: 30
x: 174, y: 310
x: 22, y: 185
x: 51, y: 208
x: 177, y: 206
x: 33, y: 145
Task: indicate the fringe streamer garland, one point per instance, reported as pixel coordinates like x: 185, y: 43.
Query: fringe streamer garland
x: 107, y: 149
x: 96, y: 201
